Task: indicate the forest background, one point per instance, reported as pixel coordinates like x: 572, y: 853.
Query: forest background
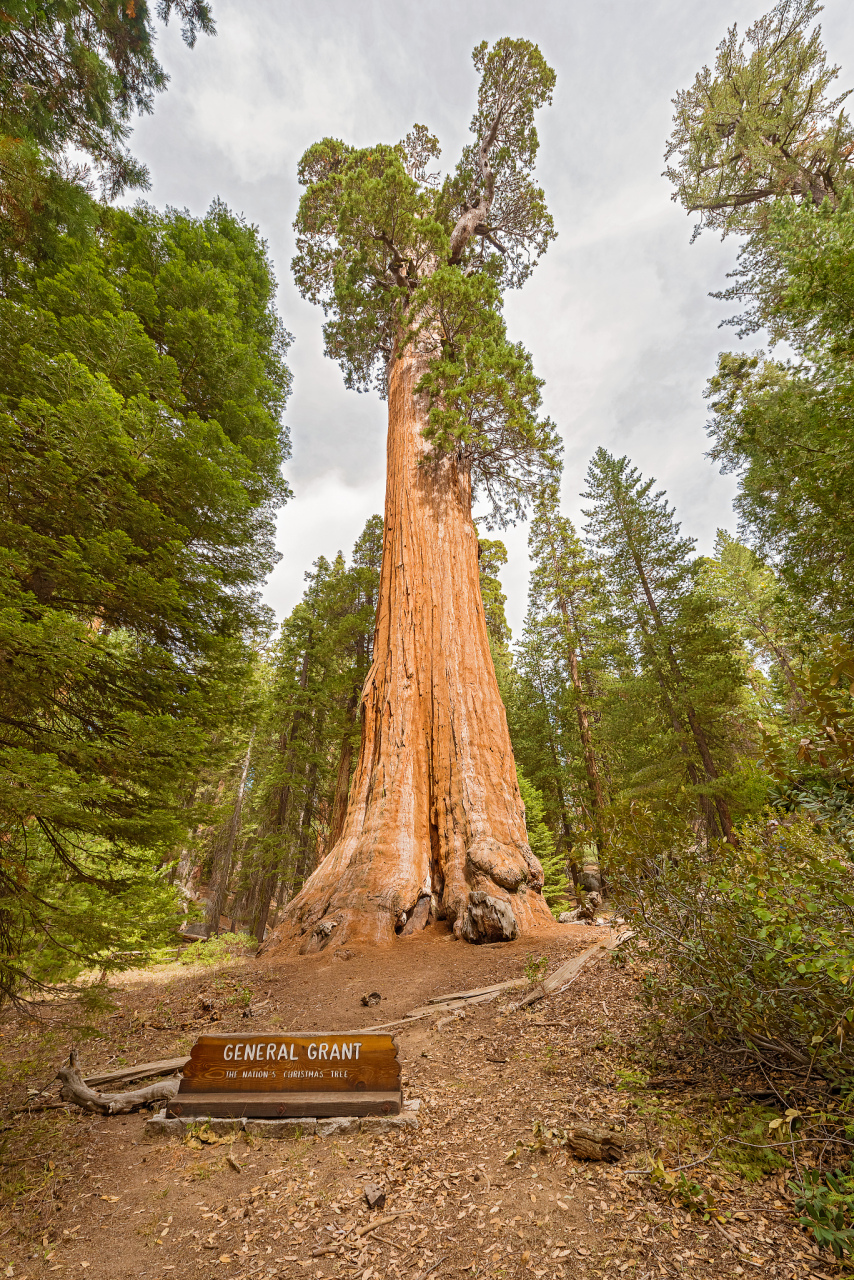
x: 170, y: 753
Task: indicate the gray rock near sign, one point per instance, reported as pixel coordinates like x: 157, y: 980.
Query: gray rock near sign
x: 336, y: 1126
x: 388, y: 1124
x: 163, y: 1126
x: 293, y: 1129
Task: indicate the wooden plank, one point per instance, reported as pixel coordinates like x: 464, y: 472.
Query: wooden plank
x: 287, y: 1105
x: 165, y: 1067
x: 255, y: 1062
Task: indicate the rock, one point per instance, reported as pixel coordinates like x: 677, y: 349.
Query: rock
x: 374, y: 1196
x: 371, y: 998
x: 590, y: 879
x: 336, y: 1126
x: 216, y: 1124
x: 488, y: 919
x: 418, y: 916
x: 389, y: 1124
x: 161, y: 1127
x: 290, y: 1129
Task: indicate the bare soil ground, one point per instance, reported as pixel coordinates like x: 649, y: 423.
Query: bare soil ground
x: 89, y: 1197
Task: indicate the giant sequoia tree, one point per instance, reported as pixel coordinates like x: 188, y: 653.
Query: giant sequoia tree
x: 410, y: 270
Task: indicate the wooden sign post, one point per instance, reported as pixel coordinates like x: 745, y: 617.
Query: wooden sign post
x: 322, y: 1074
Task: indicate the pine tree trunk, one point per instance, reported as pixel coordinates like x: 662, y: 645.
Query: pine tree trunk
x: 342, y: 783
x: 222, y: 863
x: 434, y: 804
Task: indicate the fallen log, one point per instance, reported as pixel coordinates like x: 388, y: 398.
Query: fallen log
x: 561, y: 977
x: 567, y: 973
x: 142, y: 1071
x: 480, y: 991
x: 595, y: 1144
x: 76, y: 1090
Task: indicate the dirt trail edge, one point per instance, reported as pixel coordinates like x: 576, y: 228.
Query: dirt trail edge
x: 474, y: 1191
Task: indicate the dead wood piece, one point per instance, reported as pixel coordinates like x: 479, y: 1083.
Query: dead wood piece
x: 383, y: 1222
x: 424, y: 1274
x: 76, y: 1090
x: 479, y: 991
x: 451, y: 1006
x: 595, y: 1144
x: 561, y: 977
x: 165, y: 1067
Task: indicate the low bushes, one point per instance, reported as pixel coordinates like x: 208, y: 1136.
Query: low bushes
x: 756, y: 941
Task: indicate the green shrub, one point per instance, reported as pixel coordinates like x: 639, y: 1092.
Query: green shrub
x: 542, y: 842
x: 219, y: 948
x: 756, y: 941
x: 826, y: 1204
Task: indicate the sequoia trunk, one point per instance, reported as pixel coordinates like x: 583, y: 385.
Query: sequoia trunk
x: 435, y: 810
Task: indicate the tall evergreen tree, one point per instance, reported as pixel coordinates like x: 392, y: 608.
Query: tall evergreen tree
x: 310, y: 728
x: 563, y: 596
x: 142, y: 383
x: 651, y: 573
x: 411, y: 269
x: 761, y: 125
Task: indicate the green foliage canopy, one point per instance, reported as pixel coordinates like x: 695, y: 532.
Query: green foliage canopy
x: 761, y: 125
x: 142, y: 382
x: 72, y: 73
x: 397, y: 256
x: 785, y: 427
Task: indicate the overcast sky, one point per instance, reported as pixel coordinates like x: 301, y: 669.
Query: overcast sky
x: 617, y: 315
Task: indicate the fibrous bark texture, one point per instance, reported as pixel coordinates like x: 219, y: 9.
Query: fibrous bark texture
x: 434, y: 807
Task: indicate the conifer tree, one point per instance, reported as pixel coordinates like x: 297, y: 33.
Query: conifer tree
x: 761, y: 125
x: 563, y: 595
x: 674, y: 641
x: 308, y: 729
x: 142, y: 384
x: 410, y: 269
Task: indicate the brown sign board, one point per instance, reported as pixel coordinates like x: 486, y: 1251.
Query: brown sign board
x: 271, y: 1074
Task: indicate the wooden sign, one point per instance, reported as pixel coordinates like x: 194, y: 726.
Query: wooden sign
x: 272, y: 1075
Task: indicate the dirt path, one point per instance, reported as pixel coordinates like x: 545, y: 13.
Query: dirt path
x: 90, y: 1197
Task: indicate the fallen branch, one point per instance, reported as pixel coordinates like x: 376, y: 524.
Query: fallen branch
x: 383, y: 1222
x: 480, y: 991
x: 165, y: 1067
x: 425, y: 1274
x: 76, y: 1090
x: 561, y: 977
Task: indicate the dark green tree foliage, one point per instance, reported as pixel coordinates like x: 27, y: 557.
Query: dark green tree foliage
x: 492, y: 556
x: 308, y: 736
x: 786, y: 427
x: 761, y: 125
x: 73, y: 73
x: 565, y: 597
x: 142, y: 382
x: 395, y: 254
x: 674, y: 644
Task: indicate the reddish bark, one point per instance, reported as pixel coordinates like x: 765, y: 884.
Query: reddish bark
x: 434, y: 804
